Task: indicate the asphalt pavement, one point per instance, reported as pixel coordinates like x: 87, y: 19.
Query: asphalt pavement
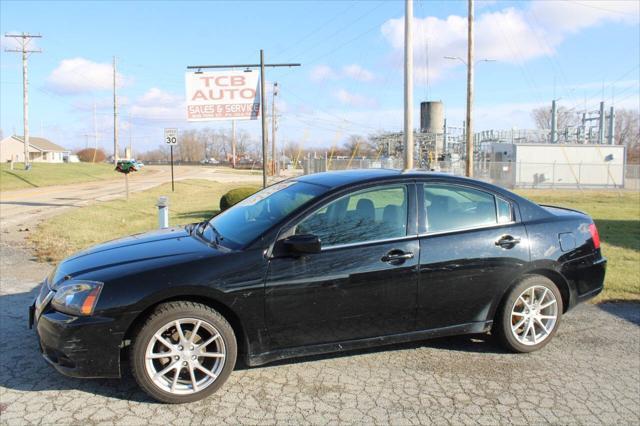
x: 589, y: 374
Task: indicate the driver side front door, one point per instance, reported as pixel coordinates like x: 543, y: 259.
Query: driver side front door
x: 363, y: 282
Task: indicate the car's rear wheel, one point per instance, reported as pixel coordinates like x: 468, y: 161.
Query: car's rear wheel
x: 184, y: 352
x: 530, y: 315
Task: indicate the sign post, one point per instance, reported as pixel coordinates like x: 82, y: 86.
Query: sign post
x: 229, y: 95
x: 171, y: 139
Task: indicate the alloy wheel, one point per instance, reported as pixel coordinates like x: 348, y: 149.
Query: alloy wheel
x: 185, y: 356
x: 534, y: 315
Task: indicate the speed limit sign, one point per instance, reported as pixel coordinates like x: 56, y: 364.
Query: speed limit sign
x: 171, y: 136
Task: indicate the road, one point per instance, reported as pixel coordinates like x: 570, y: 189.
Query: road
x: 22, y: 208
x: 589, y: 374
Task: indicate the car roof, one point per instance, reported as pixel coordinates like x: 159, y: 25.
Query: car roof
x: 336, y: 179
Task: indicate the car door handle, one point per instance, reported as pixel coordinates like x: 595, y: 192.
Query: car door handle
x: 396, y: 256
x: 507, y: 241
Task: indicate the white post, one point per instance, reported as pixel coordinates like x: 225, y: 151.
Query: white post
x: 163, y: 212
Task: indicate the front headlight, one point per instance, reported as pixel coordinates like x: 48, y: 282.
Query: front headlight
x: 77, y: 298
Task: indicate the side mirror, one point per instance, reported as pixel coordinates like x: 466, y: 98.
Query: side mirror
x: 298, y: 245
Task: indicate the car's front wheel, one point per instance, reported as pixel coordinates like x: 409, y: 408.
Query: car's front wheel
x: 530, y: 315
x: 184, y: 352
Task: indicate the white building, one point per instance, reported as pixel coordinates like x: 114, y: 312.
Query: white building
x: 41, y: 150
x: 554, y: 165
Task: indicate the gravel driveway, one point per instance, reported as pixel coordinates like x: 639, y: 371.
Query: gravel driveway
x: 590, y: 373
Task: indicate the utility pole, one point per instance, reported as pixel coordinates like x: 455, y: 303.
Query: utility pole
x: 23, y: 40
x: 233, y: 143
x: 115, y: 116
x: 554, y: 122
x: 130, y: 134
x: 274, y: 155
x: 262, y: 66
x: 408, y: 85
x: 470, y: 64
x: 263, y: 116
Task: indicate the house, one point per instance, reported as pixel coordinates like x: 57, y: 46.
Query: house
x: 41, y: 150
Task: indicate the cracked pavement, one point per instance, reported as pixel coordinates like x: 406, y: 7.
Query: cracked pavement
x: 589, y: 373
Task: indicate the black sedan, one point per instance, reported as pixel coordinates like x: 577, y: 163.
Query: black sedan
x: 321, y: 263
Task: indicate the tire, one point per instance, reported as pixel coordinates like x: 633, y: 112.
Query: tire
x: 204, y: 342
x: 522, y: 329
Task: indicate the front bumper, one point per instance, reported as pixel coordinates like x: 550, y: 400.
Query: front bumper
x: 85, y: 347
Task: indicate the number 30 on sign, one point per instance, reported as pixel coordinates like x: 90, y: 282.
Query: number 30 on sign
x: 171, y: 136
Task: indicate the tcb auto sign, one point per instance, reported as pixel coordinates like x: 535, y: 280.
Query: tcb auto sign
x: 222, y: 95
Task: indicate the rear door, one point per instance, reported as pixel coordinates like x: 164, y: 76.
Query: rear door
x: 362, y: 284
x: 471, y: 247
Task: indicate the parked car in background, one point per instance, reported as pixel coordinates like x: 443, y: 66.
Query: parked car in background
x: 321, y: 263
x: 209, y: 161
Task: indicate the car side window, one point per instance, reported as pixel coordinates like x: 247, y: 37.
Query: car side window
x: 452, y: 207
x: 367, y: 215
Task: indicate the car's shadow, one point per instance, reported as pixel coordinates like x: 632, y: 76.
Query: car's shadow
x: 623, y: 309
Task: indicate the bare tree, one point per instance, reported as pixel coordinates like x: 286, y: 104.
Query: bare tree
x: 627, y: 132
x: 627, y: 127
x: 360, y: 146
x: 565, y: 118
x: 191, y: 146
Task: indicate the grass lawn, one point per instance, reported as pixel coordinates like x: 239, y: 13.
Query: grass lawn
x: 64, y: 234
x: 617, y: 217
x: 46, y: 174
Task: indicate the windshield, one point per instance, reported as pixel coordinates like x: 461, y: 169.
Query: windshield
x: 247, y: 220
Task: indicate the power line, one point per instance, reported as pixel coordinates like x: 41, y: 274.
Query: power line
x: 313, y: 32
x: 340, y: 30
x: 597, y: 7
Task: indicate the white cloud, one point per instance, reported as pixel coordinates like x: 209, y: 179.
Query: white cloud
x: 158, y: 97
x: 104, y: 103
x: 570, y: 17
x: 357, y: 72
x: 157, y: 105
x: 509, y: 35
x: 353, y: 99
x: 80, y: 75
x: 322, y: 73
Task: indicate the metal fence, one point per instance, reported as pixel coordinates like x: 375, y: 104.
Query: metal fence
x: 519, y: 174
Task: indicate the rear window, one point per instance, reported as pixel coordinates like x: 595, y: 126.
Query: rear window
x: 453, y: 207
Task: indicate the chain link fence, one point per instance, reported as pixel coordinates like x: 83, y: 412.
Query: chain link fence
x: 519, y: 174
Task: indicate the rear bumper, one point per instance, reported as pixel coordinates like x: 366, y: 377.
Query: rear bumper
x: 587, y: 276
x: 85, y: 347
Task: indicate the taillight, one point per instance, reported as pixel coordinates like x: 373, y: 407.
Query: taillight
x: 594, y: 235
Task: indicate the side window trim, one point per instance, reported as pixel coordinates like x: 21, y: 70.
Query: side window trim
x: 411, y: 190
x: 511, y: 211
x: 423, y: 220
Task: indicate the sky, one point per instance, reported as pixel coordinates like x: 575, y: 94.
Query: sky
x: 351, y: 78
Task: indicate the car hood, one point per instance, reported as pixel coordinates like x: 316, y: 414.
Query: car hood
x: 132, y: 254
